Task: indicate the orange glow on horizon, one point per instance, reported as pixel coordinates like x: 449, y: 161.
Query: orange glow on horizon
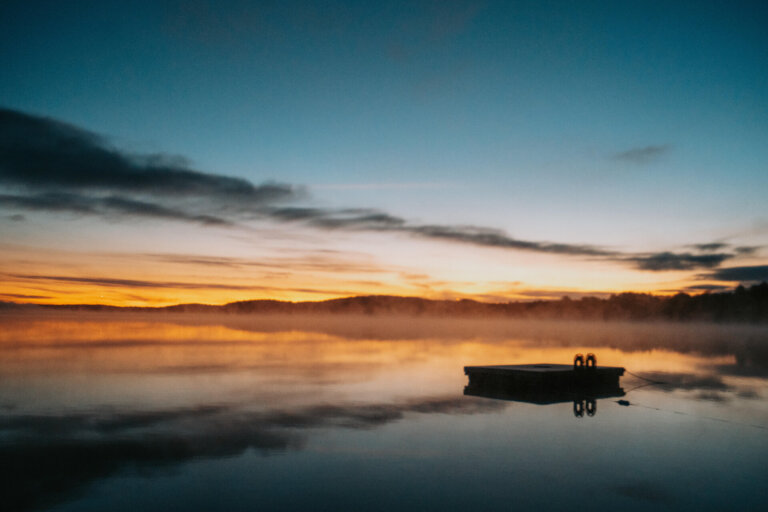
x: 49, y: 277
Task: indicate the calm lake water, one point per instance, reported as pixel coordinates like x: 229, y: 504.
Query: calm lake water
x: 160, y: 412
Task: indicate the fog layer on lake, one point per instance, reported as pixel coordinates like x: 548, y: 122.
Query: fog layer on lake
x: 235, y: 412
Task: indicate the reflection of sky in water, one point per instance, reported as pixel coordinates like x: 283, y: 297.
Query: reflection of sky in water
x: 327, y: 414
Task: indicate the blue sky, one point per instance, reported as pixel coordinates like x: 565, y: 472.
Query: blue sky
x: 636, y: 125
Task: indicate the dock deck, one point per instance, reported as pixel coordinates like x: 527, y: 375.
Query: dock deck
x: 543, y: 377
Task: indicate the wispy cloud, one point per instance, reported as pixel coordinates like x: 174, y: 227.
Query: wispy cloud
x: 383, y: 186
x: 54, y: 166
x: 710, y: 247
x: 707, y: 288
x: 23, y: 296
x: 374, y: 220
x: 309, y: 262
x: 50, y: 166
x: 114, y: 207
x: 643, y: 155
x: 152, y: 284
x: 38, y: 152
x: 678, y: 261
x: 753, y: 273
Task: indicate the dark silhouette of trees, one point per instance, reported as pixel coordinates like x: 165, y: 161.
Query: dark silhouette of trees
x: 740, y: 305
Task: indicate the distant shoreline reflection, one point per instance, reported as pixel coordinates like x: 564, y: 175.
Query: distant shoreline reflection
x: 342, y: 413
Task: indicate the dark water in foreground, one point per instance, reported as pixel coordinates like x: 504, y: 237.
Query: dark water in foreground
x: 209, y: 413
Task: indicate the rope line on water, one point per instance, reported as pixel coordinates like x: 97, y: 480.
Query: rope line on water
x: 627, y: 403
x: 645, y: 378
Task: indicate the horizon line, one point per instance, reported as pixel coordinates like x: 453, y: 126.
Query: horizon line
x: 564, y: 297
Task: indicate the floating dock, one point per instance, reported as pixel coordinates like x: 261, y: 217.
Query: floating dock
x: 545, y: 383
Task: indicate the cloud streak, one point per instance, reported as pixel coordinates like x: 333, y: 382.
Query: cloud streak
x: 178, y: 285
x: 678, y: 261
x: 753, y: 273
x: 643, y: 155
x: 38, y: 152
x: 54, y: 167
x: 374, y: 220
x: 111, y: 207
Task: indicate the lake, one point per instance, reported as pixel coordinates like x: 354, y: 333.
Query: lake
x: 171, y: 412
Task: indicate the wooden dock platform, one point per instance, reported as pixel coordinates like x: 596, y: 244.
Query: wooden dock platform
x: 544, y: 374
x: 543, y: 383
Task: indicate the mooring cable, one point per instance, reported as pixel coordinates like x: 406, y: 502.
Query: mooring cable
x: 627, y: 403
x: 645, y: 378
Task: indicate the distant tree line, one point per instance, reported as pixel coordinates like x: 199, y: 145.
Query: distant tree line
x: 740, y: 305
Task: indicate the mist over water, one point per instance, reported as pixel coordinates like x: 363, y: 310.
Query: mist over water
x: 240, y: 412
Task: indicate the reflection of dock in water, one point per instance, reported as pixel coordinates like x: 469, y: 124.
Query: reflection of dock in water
x: 545, y: 384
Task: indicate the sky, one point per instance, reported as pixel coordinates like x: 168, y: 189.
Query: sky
x: 155, y: 153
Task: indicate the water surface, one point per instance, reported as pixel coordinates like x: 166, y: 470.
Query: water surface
x: 165, y: 412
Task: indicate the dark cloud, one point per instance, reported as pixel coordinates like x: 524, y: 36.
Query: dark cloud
x: 710, y: 247
x: 350, y: 218
x: 643, y: 155
x: 748, y: 273
x: 677, y: 261
x: 559, y: 294
x: 110, y: 207
x: 495, y: 238
x: 52, y: 202
x: 707, y: 288
x: 721, y: 246
x: 41, y: 153
x: 125, y: 206
x: 706, y: 255
x: 56, y: 167
x: 373, y: 220
x: 746, y: 250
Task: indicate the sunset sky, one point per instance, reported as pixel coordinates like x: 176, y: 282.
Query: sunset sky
x: 155, y: 153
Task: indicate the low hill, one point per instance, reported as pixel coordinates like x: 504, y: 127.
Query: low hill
x: 742, y: 304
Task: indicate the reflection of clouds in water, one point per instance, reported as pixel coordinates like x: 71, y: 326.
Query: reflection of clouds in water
x: 687, y: 381
x: 757, y: 369
x: 748, y: 394
x: 711, y: 388
x: 713, y: 396
x: 748, y: 344
x: 48, y: 459
x: 52, y: 458
x: 644, y: 490
x: 351, y: 343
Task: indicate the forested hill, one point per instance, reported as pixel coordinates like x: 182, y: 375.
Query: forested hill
x: 741, y: 305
